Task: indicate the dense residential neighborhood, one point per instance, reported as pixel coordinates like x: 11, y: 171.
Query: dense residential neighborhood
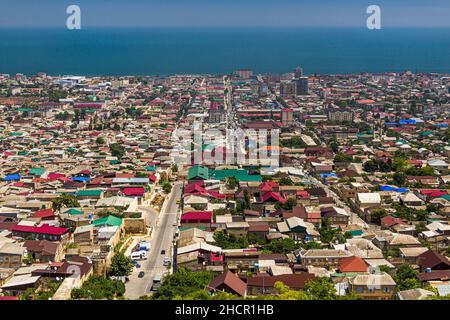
x: 105, y: 185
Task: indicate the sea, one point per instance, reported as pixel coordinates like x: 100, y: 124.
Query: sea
x: 166, y: 51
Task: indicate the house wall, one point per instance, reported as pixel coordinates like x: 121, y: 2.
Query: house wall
x: 366, y: 293
x: 10, y: 260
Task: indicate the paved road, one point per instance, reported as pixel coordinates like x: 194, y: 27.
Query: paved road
x: 161, y: 239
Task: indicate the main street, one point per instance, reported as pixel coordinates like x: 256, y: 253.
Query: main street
x: 161, y: 239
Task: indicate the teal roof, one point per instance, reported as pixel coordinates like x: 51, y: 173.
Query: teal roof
x: 109, y: 220
x: 89, y: 193
x: 355, y: 232
x: 37, y: 171
x: 73, y: 211
x: 239, y: 174
x: 150, y: 168
x: 198, y: 171
x: 446, y: 197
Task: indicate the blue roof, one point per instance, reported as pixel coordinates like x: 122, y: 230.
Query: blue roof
x: 391, y: 123
x: 81, y: 179
x: 442, y: 125
x: 407, y: 121
x: 12, y: 177
x: 389, y: 188
x: 327, y: 175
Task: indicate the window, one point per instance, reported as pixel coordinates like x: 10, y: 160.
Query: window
x: 386, y: 289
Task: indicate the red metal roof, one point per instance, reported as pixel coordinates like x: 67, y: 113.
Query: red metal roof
x: 44, y: 213
x: 138, y: 191
x: 204, y: 216
x: 44, y: 229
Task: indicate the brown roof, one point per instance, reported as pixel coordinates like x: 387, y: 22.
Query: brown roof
x: 432, y: 259
x: 293, y: 281
x: 44, y: 247
x: 434, y: 275
x: 258, y: 227
x: 228, y: 280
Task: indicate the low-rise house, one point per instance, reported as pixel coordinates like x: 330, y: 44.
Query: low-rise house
x: 228, y: 282
x: 368, y: 200
x: 43, y: 232
x: 353, y: 264
x: 44, y: 251
x: 373, y: 286
x: 265, y: 284
x: 258, y: 229
x: 323, y: 257
x: 197, y: 219
x: 432, y: 260
x: 336, y: 216
x: 238, y: 229
x: 11, y: 255
x: 411, y: 255
x: 241, y: 260
x: 415, y: 294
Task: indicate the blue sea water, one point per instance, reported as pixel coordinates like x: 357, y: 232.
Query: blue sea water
x: 108, y: 51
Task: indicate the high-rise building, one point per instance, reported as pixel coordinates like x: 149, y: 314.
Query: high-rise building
x: 301, y: 86
x: 298, y: 72
x: 244, y: 73
x: 287, y: 88
x: 340, y: 115
x: 287, y: 117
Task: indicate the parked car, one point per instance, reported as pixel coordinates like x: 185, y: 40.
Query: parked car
x: 166, y: 261
x: 163, y: 251
x: 155, y: 286
x: 141, y: 274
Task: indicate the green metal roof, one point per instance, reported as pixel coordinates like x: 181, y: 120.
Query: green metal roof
x: 37, y: 171
x: 109, y: 220
x: 89, y: 193
x: 198, y: 171
x: 355, y: 232
x: 73, y: 211
x: 239, y: 174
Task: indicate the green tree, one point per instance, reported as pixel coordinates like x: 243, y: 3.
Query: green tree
x: 117, y: 150
x: 100, y: 140
x: 182, y: 283
x: 121, y: 265
x: 399, y: 179
x: 286, y: 245
x: 98, y: 287
x: 65, y: 200
x: 320, y: 289
x: 377, y: 214
x: 285, y: 293
x: 406, y: 278
x: 327, y: 233
x: 286, y: 182
x: 232, y: 183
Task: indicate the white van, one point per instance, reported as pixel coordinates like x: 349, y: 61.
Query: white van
x: 157, y: 278
x: 139, y: 255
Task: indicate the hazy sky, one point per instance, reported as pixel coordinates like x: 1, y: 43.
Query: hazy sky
x: 229, y: 13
